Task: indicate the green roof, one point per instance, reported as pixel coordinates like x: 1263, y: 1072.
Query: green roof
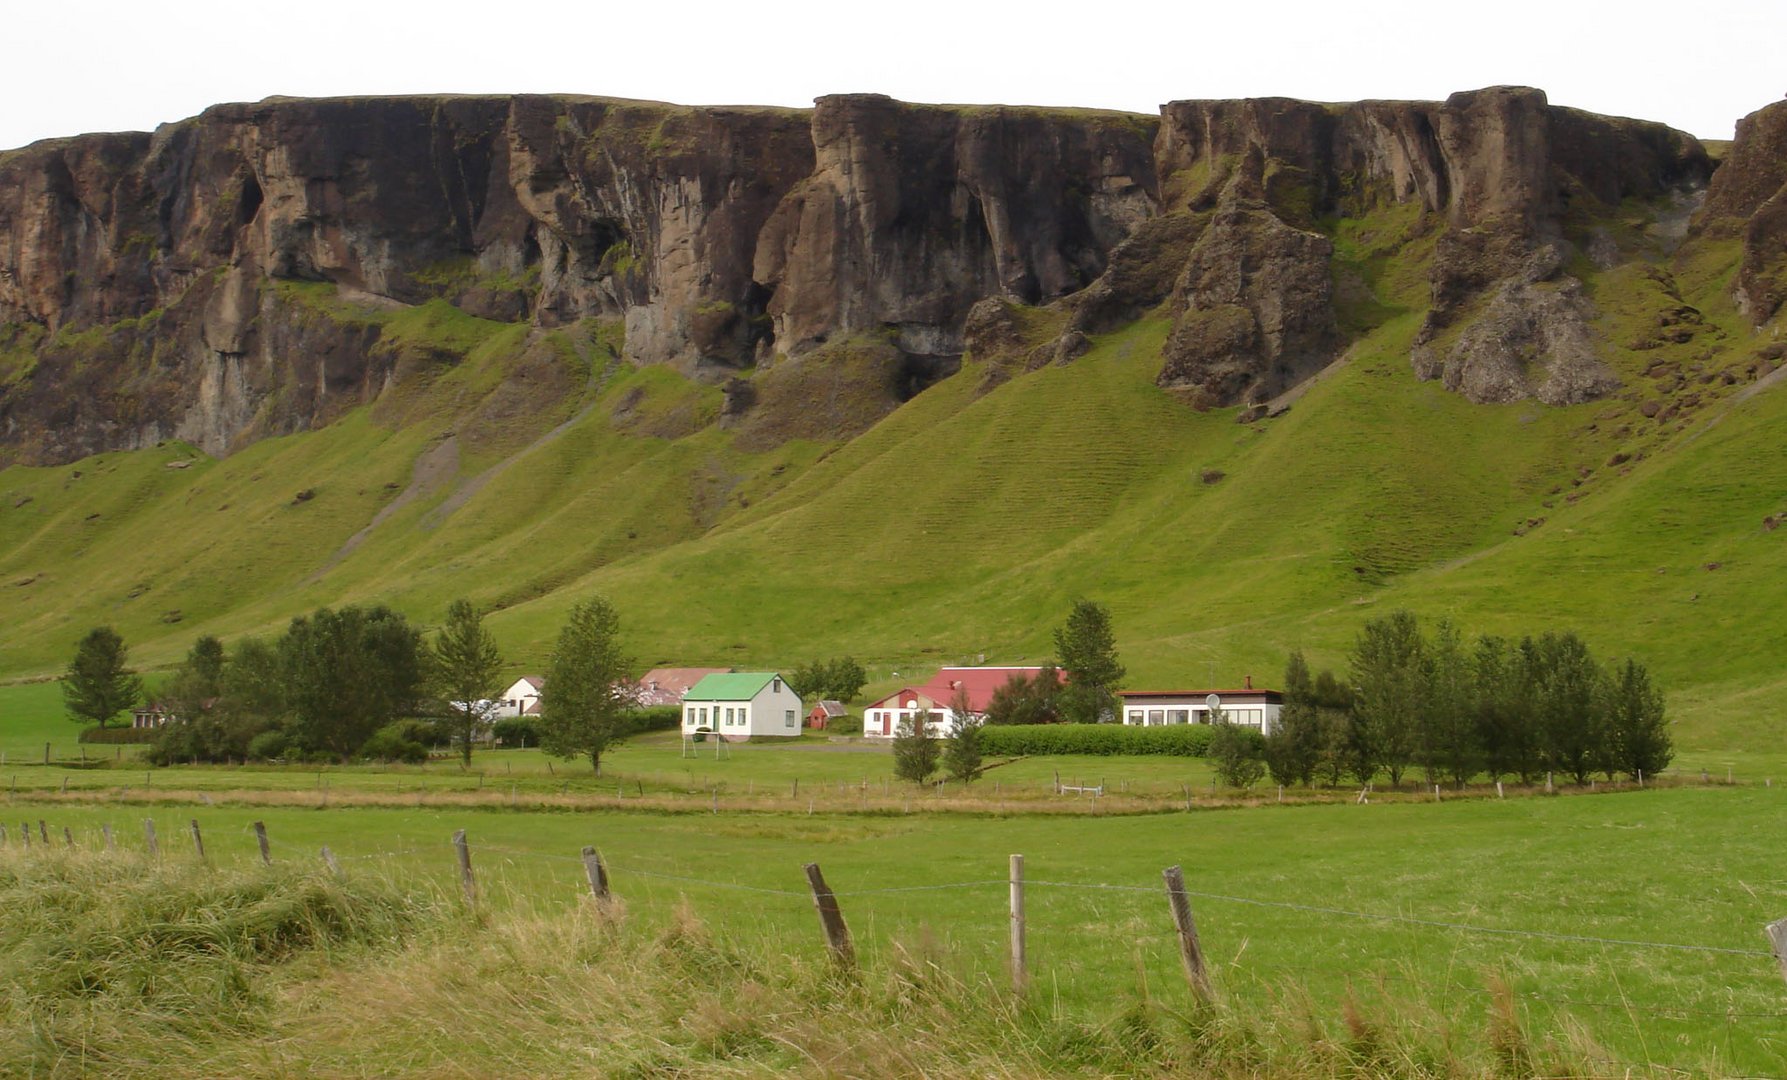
x: 730, y: 686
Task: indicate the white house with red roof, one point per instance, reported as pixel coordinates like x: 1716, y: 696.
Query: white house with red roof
x: 936, y: 699
x: 1245, y: 707
x: 522, y: 698
x: 669, y: 685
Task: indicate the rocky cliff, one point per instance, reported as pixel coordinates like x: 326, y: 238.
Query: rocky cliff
x: 202, y: 282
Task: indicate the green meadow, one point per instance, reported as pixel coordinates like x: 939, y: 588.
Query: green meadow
x: 1627, y: 926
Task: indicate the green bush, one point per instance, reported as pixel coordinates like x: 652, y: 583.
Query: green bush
x: 396, y: 742
x: 124, y: 735
x: 1103, y: 740
x: 513, y: 731
x: 269, y: 745
x: 655, y: 718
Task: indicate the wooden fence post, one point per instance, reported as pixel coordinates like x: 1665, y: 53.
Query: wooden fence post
x: 67, y: 836
x: 1020, y: 973
x: 2, y: 833
x: 43, y: 831
x: 1777, y: 937
x: 467, y: 882
x: 106, y: 831
x: 198, y: 841
x: 1191, y: 954
x: 25, y: 831
x: 65, y: 784
x: 831, y: 920
x: 46, y: 753
x: 1498, y: 790
x: 260, y: 837
x: 329, y: 861
x: 149, y: 836
x: 597, y: 874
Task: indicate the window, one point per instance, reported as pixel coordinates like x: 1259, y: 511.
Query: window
x: 1179, y: 716
x: 788, y: 718
x: 1135, y: 716
x: 776, y: 685
x: 1156, y: 717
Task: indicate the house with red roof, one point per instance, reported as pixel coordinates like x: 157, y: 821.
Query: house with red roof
x: 937, y: 698
x: 669, y: 685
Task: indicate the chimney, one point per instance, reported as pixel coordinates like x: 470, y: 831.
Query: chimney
x: 1249, y: 679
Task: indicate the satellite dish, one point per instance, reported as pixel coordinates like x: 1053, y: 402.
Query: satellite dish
x: 1213, y: 701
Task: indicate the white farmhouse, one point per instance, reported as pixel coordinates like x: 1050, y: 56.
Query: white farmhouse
x: 1246, y: 707
x: 522, y: 698
x: 739, y: 705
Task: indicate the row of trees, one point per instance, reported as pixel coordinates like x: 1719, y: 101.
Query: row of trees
x: 838, y: 679
x: 1453, y: 711
x: 353, y: 682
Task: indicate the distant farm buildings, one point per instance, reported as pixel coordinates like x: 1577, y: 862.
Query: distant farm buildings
x: 936, y: 700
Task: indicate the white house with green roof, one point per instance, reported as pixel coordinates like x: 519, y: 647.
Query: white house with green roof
x: 742, y: 704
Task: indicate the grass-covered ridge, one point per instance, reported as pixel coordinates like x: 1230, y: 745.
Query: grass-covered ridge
x: 527, y: 468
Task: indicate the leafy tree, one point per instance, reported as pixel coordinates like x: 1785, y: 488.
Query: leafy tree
x: 915, y: 752
x: 345, y: 674
x: 1451, y: 745
x: 1027, y: 699
x: 1637, y: 731
x: 1571, y: 729
x: 1086, y: 649
x: 98, y: 685
x: 839, y: 679
x: 1503, y: 692
x: 1236, y: 753
x: 233, y: 717
x: 588, y: 686
x: 1294, y: 745
x: 467, y: 669
x: 1334, y: 727
x: 961, y: 750
x: 1387, y: 670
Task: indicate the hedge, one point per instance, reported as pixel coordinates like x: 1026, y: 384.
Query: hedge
x: 1102, y: 740
x: 128, y: 735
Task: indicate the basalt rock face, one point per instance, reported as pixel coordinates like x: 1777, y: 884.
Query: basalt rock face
x: 219, y: 280
x: 1495, y: 171
x: 1748, y: 198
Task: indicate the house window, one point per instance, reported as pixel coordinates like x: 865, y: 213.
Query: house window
x: 1179, y: 716
x: 1156, y: 717
x: 789, y: 719
x: 1135, y: 716
x: 775, y: 685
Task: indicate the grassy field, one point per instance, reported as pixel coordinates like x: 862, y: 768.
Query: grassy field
x: 1569, y: 902
x: 1218, y: 547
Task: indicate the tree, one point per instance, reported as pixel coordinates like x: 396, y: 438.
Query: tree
x: 588, y: 686
x: 1334, y: 727
x: 1570, y: 725
x: 98, y: 685
x: 467, y: 669
x: 915, y: 753
x: 840, y: 678
x: 961, y: 750
x: 1235, y: 752
x: 1386, y: 670
x: 1294, y: 745
x: 221, y: 718
x: 1027, y: 699
x: 345, y: 674
x: 1503, y: 672
x: 1086, y: 649
x: 1451, y: 745
x: 1637, y: 731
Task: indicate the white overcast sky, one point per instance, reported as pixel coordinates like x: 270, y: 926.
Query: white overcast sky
x: 105, y: 65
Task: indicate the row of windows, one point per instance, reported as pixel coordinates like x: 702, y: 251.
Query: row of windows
x: 1158, y: 717
x: 696, y: 716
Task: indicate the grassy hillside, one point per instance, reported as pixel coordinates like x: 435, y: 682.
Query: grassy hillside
x: 538, y: 469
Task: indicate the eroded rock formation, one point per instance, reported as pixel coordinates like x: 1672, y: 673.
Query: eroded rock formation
x: 210, y: 281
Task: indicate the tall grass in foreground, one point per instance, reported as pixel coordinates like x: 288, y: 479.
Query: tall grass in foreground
x: 117, y: 966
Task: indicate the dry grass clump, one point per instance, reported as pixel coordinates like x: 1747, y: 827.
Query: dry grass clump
x: 119, y: 966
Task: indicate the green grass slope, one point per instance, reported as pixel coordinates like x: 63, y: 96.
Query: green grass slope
x: 536, y: 470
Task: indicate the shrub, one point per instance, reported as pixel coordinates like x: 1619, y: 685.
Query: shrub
x: 269, y: 745
x: 517, y: 731
x: 655, y: 718
x: 125, y: 735
x: 844, y: 725
x: 396, y: 742
x: 1102, y: 740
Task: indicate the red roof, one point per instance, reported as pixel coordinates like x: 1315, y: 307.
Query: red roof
x: 667, y: 685
x: 979, y: 682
